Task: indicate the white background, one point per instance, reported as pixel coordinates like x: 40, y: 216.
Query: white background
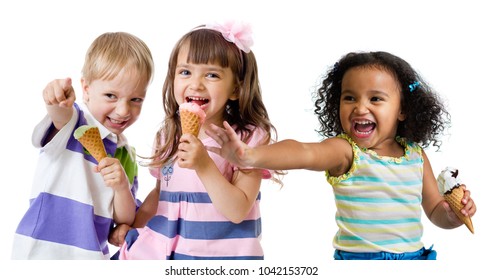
x: 295, y: 43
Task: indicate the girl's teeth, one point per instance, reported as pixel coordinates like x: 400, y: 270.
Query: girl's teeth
x: 364, y: 127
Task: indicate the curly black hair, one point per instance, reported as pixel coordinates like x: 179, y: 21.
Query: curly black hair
x: 426, y: 117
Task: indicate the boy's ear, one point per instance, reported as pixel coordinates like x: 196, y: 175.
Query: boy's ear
x: 85, y: 88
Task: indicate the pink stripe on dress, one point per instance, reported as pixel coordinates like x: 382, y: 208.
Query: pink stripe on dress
x: 199, y: 212
x: 219, y: 248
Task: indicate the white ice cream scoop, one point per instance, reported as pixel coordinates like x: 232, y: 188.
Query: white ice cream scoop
x: 448, y: 179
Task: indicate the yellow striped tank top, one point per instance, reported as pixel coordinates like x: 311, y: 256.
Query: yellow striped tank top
x: 379, y: 201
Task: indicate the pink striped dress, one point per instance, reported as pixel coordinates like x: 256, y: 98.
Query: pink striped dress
x: 187, y: 226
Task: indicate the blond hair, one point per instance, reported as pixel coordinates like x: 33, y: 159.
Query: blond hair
x: 112, y: 52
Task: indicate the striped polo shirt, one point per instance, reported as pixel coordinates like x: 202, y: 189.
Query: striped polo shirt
x: 71, y: 208
x: 379, y: 201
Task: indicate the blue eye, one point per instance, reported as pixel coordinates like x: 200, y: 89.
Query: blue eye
x: 212, y: 75
x: 184, y: 72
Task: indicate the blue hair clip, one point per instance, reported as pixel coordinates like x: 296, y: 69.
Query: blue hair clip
x: 413, y: 86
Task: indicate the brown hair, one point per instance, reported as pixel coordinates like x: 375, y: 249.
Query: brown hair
x: 246, y: 113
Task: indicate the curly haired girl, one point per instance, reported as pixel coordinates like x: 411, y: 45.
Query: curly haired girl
x: 378, y: 114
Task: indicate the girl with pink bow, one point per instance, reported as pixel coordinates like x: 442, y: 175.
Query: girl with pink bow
x: 204, y: 207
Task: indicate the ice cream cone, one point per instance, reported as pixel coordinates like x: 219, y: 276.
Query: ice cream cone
x: 190, y: 122
x: 91, y: 140
x: 454, y: 200
x: 192, y: 117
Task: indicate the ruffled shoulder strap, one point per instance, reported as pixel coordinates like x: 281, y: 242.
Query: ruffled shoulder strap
x: 333, y: 180
x: 409, y: 146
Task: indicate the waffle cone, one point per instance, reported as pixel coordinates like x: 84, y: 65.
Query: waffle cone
x: 454, y: 201
x: 92, y: 142
x: 190, y: 122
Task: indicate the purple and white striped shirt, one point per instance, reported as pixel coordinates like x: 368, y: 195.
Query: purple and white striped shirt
x: 70, y: 212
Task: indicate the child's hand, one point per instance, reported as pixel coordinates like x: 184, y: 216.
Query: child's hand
x: 232, y: 148
x: 191, y: 152
x: 59, y: 92
x: 118, y: 234
x: 113, y: 174
x: 469, y: 208
x: 124, y: 207
x: 59, y: 97
x: 469, y: 203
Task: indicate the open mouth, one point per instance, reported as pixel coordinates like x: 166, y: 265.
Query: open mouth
x: 198, y: 100
x: 364, y: 127
x: 116, y: 124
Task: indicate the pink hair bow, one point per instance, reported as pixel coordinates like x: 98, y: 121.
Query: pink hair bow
x: 238, y: 33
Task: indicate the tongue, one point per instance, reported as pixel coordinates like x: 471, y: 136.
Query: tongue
x: 199, y: 102
x: 365, y: 127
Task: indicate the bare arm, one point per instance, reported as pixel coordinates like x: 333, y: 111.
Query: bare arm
x: 115, y: 177
x: 332, y: 154
x: 436, y: 208
x: 59, y: 97
x: 232, y: 199
x: 148, y: 209
x: 124, y: 207
x: 145, y: 212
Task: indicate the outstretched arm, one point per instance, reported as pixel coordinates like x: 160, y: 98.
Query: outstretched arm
x: 231, y: 146
x: 332, y: 154
x: 59, y: 97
